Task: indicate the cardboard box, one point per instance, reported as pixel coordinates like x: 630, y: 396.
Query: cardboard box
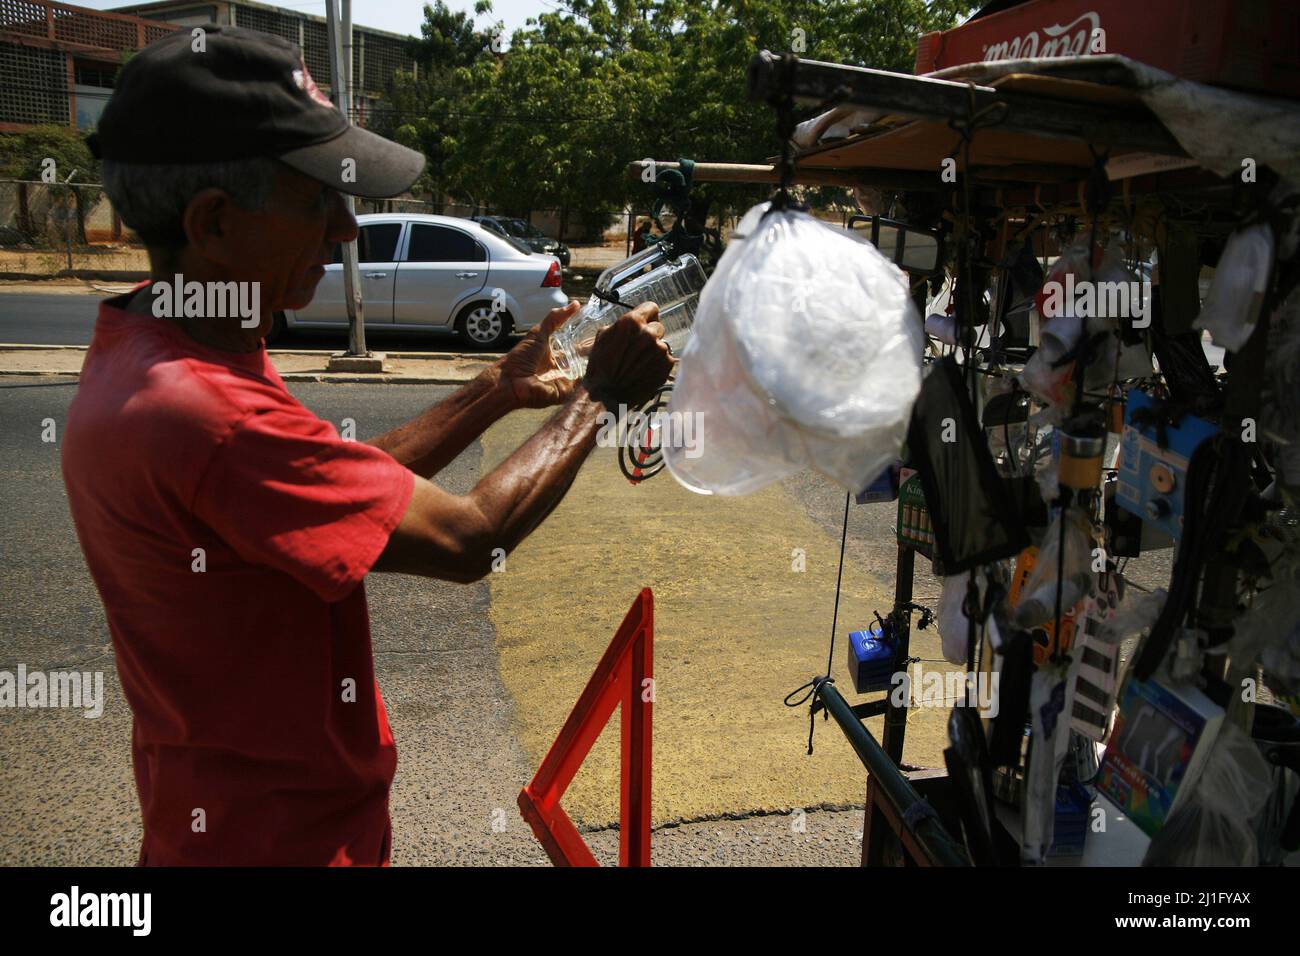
x: 1161, y: 739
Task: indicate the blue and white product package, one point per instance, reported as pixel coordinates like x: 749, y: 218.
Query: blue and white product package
x: 871, y: 660
x: 1153, y: 480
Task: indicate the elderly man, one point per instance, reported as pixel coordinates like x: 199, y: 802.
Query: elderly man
x: 227, y: 528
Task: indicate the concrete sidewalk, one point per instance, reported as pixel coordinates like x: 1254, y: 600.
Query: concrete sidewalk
x: 294, y: 365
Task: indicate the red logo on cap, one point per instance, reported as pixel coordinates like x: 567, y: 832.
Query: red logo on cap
x: 302, y: 79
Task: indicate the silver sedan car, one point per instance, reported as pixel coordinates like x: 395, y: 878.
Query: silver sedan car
x: 438, y: 273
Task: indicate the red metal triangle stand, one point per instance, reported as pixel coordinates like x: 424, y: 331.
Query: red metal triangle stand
x: 623, y: 676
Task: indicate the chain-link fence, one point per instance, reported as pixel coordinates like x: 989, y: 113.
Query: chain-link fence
x: 50, y: 229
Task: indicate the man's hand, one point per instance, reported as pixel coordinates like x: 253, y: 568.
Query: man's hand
x: 629, y: 361
x: 527, y: 374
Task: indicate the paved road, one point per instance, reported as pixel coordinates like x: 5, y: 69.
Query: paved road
x: 63, y: 319
x: 43, y: 319
x: 40, y: 319
x: 66, y: 791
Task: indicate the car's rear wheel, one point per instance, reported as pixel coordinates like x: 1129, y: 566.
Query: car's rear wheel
x: 482, y: 327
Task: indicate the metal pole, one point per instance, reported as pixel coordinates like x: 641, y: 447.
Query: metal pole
x: 351, y: 272
x: 806, y: 175
x: 69, y: 210
x: 928, y: 98
x: 930, y: 835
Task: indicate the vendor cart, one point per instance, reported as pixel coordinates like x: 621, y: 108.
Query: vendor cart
x: 993, y: 162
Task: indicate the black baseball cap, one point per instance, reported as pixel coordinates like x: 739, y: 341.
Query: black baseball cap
x: 233, y: 94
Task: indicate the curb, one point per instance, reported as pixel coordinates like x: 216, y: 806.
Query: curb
x: 327, y: 378
x: 486, y: 357
x: 341, y: 378
x: 25, y: 347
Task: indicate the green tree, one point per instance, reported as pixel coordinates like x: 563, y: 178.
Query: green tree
x: 424, y: 106
x: 583, y: 90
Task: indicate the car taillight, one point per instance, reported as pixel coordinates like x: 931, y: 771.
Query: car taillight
x: 552, y: 280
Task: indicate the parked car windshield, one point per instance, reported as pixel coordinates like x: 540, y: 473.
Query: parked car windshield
x: 503, y: 229
x: 516, y: 243
x: 526, y: 230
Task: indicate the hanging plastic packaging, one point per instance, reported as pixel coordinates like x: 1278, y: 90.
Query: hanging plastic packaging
x: 1270, y: 632
x: 1038, y: 604
x: 1232, y: 307
x: 1042, y: 377
x: 942, y: 327
x: 1087, y: 298
x: 1134, y: 617
x: 1214, y: 826
x: 1049, y: 707
x: 806, y: 353
x: 954, y: 626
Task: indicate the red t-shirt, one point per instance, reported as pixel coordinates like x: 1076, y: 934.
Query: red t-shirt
x: 260, y: 735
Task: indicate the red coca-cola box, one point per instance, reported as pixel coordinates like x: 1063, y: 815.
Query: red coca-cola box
x: 1245, y: 44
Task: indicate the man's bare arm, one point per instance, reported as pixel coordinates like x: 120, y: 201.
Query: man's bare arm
x: 432, y: 440
x: 456, y: 537
x: 525, y: 378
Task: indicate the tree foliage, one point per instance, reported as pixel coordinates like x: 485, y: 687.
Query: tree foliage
x: 553, y: 119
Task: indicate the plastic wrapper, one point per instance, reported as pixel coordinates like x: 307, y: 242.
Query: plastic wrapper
x: 954, y: 626
x: 1038, y: 600
x: 1041, y: 377
x: 1269, y: 634
x: 1068, y: 317
x: 1281, y: 393
x: 1231, y: 309
x: 1042, y: 458
x: 942, y: 327
x: 1134, y: 617
x: 806, y: 353
x: 1273, y: 819
x: 1214, y: 824
x: 1049, y: 708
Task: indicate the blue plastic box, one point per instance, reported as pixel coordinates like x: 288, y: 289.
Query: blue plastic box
x: 871, y: 660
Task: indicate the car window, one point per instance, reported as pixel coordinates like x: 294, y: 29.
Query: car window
x: 527, y: 230
x: 518, y: 244
x: 440, y: 244
x: 377, y: 243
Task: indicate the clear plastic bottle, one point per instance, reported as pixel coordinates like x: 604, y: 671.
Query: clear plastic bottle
x: 673, y: 284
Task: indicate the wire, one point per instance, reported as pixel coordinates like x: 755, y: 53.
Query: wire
x: 640, y: 455
x: 839, y: 577
x: 814, y: 685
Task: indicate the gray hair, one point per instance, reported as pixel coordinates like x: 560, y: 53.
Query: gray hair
x: 152, y: 199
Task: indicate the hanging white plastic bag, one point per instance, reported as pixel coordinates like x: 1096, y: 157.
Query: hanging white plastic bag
x: 1051, y: 694
x: 806, y: 352
x: 954, y: 625
x: 1135, y: 617
x: 1270, y: 633
x: 1232, y: 307
x: 1086, y: 297
x: 1214, y: 826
